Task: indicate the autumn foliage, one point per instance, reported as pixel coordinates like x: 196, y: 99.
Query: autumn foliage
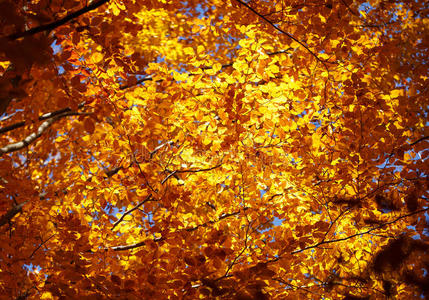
x: 160, y: 149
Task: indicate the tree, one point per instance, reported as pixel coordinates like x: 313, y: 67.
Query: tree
x: 201, y: 149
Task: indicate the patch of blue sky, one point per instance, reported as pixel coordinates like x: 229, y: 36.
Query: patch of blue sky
x: 365, y: 7
x: 30, y: 268
x: 276, y: 221
x: 201, y: 10
x: 56, y: 48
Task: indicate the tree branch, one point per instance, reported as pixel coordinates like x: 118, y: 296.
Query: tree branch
x: 114, y: 171
x: 35, y: 135
x: 187, y: 171
x: 349, y: 8
x: 7, y: 217
x: 199, y: 170
x: 223, y: 216
x: 359, y: 233
x: 147, y: 199
x: 150, y: 78
x: 282, y: 31
x: 420, y: 140
x: 152, y: 153
x: 126, y: 86
x: 55, y: 24
x: 139, y: 244
x: 41, y: 118
x: 40, y: 245
x: 127, y: 247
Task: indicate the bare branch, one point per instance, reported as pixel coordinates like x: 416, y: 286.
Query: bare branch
x: 147, y: 78
x: 147, y: 199
x: 7, y: 217
x: 359, y: 233
x: 420, y: 140
x: 12, y: 127
x: 55, y: 24
x: 127, y: 247
x: 132, y: 246
x: 158, y: 148
x: 224, y: 66
x: 173, y: 173
x: 139, y: 244
x: 168, y: 176
x: 41, y: 118
x: 349, y: 8
x: 111, y: 172
x: 282, y: 31
x: 138, y: 164
x: 199, y: 170
x: 223, y: 216
x: 40, y: 245
x: 35, y: 135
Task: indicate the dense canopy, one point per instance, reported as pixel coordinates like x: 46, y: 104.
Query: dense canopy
x: 161, y: 149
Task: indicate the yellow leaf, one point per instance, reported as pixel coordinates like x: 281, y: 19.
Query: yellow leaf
x: 46, y: 295
x: 115, y: 9
x: 96, y: 57
x: 4, y: 64
x: 216, y: 67
x: 189, y: 51
x: 396, y: 93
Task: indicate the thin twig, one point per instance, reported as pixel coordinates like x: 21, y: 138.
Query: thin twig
x: 282, y: 31
x: 152, y: 153
x: 419, y: 140
x: 359, y: 233
x: 142, y: 243
x: 223, y: 216
x: 138, y: 164
x: 35, y: 135
x: 127, y: 247
x: 173, y: 173
x: 7, y: 217
x: 349, y: 8
x: 234, y: 261
x: 41, y: 244
x: 147, y: 78
x: 55, y: 24
x: 199, y: 170
x: 147, y: 199
x: 204, y: 68
x: 41, y: 118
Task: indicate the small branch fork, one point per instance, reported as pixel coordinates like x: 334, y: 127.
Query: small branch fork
x: 147, y: 199
x: 239, y: 255
x: 142, y: 243
x: 35, y: 135
x: 420, y: 140
x: 173, y: 173
x: 190, y: 229
x: 324, y: 62
x: 58, y: 23
x: 40, y: 245
x: 282, y: 31
x: 7, y: 217
x: 41, y: 118
x: 224, y: 66
x: 152, y: 153
x: 323, y: 242
x: 223, y: 216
